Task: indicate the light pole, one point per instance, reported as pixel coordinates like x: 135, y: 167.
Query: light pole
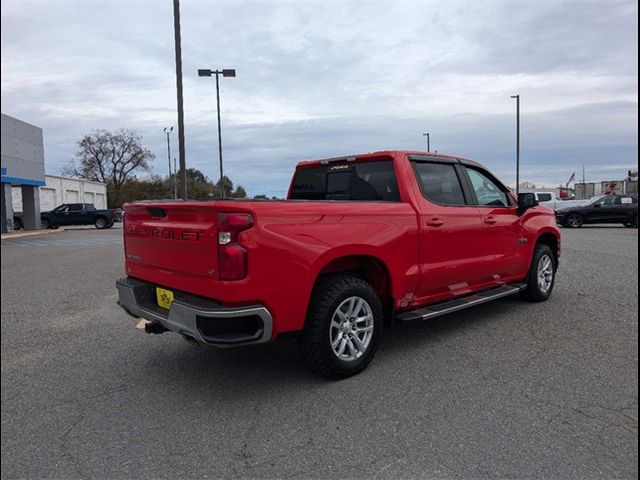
x: 225, y: 73
x: 426, y: 134
x: 517, y: 97
x: 168, y: 131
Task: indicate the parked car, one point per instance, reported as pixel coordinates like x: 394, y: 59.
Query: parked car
x: 387, y: 236
x: 604, y: 209
x: 550, y: 200
x: 77, y: 214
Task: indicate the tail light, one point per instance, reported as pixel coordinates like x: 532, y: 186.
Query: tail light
x: 232, y: 257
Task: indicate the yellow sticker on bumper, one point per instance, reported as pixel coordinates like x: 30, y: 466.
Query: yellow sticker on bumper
x: 164, y: 297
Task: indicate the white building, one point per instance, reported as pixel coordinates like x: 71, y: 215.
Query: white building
x: 59, y: 190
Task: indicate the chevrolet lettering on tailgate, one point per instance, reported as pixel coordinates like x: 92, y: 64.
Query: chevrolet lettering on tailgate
x: 166, y: 233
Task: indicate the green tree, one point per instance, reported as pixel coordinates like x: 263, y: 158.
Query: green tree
x: 226, y: 185
x: 239, y: 192
x: 199, y: 186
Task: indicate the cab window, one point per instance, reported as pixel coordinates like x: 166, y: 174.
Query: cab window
x: 488, y: 192
x: 439, y: 183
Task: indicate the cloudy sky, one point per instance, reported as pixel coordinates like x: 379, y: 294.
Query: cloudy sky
x: 320, y: 79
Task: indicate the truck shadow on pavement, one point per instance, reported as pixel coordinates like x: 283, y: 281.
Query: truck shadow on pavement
x: 245, y: 369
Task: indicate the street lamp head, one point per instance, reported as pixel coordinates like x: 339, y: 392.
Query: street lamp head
x: 167, y: 130
x: 228, y: 73
x: 204, y: 72
x: 515, y: 96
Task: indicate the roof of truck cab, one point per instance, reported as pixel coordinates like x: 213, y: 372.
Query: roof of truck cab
x: 385, y: 153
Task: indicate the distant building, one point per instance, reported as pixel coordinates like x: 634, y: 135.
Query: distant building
x: 26, y: 188
x: 59, y: 190
x: 22, y: 166
x: 609, y: 187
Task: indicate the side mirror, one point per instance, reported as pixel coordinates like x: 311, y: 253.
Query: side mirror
x: 526, y: 201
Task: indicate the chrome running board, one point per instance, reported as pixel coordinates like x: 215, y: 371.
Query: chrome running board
x: 450, y: 306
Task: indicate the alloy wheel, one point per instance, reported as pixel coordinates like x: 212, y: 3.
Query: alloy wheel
x: 351, y: 329
x: 545, y: 273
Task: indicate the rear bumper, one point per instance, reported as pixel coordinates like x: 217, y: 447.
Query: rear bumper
x: 202, y: 319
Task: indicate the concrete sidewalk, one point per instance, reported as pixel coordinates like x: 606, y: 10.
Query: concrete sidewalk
x: 29, y: 233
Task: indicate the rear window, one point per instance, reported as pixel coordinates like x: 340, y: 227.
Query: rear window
x: 351, y: 181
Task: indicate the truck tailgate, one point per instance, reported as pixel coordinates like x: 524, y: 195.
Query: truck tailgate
x: 175, y: 237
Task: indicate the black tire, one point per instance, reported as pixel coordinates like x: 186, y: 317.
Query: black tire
x: 331, y: 293
x: 44, y: 223
x: 17, y: 224
x: 574, y: 220
x: 109, y: 225
x: 100, y: 223
x: 534, y: 291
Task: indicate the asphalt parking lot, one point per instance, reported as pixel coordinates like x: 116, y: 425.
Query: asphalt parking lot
x: 507, y: 389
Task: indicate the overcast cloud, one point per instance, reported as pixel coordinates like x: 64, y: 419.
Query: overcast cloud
x: 320, y: 79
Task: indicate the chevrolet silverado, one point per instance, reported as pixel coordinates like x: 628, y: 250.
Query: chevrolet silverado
x: 360, y: 242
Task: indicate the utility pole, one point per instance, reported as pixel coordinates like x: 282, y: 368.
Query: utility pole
x: 176, y: 31
x: 168, y: 131
x: 517, y: 97
x: 175, y: 179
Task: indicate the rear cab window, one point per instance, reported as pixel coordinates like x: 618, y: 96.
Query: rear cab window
x: 347, y: 181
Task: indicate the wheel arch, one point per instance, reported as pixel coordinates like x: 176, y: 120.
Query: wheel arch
x: 552, y: 240
x: 370, y: 268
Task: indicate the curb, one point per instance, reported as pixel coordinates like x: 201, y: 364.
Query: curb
x: 31, y: 233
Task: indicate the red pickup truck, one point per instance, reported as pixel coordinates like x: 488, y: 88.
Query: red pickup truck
x: 361, y: 241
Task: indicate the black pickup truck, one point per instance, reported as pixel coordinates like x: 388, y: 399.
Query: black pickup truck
x: 77, y: 214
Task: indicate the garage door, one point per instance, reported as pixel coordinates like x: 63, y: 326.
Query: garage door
x: 100, y: 203
x: 89, y: 197
x: 47, y: 199
x: 71, y: 196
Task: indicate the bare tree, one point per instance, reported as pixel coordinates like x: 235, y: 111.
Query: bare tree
x: 112, y: 158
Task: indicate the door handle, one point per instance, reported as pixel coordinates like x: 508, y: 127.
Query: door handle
x: 490, y: 220
x: 435, y: 222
